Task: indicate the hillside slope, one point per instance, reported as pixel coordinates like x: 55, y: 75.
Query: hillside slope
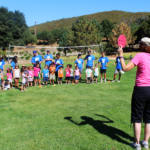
x: 113, y: 16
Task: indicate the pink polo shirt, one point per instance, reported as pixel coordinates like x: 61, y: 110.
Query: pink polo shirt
x: 142, y: 61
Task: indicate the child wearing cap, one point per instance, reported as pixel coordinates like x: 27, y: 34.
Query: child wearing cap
x: 52, y: 70
x: 16, y: 75
x: 60, y: 75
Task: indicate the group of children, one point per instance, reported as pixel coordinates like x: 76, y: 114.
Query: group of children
x: 34, y: 74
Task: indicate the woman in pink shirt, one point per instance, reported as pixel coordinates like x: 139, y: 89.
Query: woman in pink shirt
x: 36, y: 74
x: 67, y: 74
x: 140, y: 107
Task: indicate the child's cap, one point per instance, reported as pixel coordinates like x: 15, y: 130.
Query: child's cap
x: 8, y: 69
x: 17, y: 65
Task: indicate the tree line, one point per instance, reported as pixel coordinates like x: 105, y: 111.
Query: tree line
x: 14, y: 30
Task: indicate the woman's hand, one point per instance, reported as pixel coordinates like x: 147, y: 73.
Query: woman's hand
x: 114, y: 63
x: 120, y: 51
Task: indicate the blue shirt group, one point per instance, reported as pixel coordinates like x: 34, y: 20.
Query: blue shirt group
x: 90, y: 59
x: 58, y: 61
x: 79, y: 63
x: 118, y: 65
x: 45, y: 72
x: 103, y: 61
x: 2, y: 63
x: 36, y: 58
x: 48, y: 62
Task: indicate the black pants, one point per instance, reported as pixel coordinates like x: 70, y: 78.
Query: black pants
x: 140, y: 106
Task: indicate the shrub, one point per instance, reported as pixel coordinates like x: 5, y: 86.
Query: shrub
x: 25, y: 54
x: 43, y: 53
x: 21, y: 57
x: 27, y: 58
x: 42, y: 49
x: 54, y: 53
x: 54, y: 57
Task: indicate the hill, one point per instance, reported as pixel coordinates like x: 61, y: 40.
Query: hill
x: 114, y: 16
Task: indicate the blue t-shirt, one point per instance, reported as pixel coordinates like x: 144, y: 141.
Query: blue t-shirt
x: 118, y: 65
x: 79, y: 63
x: 58, y: 61
x: 103, y: 61
x: 36, y: 58
x: 2, y: 63
x: 45, y: 72
x: 48, y: 62
x: 90, y: 59
x: 13, y: 64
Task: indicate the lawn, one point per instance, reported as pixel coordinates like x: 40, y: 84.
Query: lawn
x: 69, y: 117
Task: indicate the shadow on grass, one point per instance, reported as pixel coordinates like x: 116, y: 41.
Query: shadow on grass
x: 101, y: 127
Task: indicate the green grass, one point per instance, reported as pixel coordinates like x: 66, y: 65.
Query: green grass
x: 69, y: 117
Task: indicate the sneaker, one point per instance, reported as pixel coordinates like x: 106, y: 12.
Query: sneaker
x: 22, y: 91
x: 135, y: 146
x: 92, y: 82
x: 113, y: 81
x: 101, y: 80
x: 144, y: 144
x: 118, y: 80
x: 105, y: 80
x: 95, y: 82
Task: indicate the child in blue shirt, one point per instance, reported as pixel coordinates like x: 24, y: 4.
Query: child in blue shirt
x: 118, y: 69
x: 45, y: 74
x: 103, y: 63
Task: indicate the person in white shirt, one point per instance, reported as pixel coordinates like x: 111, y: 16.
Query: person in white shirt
x: 96, y: 73
x: 16, y: 75
x: 88, y: 74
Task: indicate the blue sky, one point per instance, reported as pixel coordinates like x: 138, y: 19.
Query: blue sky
x: 48, y: 10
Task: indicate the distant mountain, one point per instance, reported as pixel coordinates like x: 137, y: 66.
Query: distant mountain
x: 114, y: 16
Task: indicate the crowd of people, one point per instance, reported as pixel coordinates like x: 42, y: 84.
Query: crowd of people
x: 53, y: 71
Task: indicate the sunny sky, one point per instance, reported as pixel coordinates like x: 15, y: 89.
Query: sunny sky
x: 48, y: 10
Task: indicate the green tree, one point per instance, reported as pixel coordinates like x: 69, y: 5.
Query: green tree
x: 107, y: 28
x: 65, y: 41
x: 143, y: 30
x: 50, y: 38
x: 85, y: 33
x: 12, y: 26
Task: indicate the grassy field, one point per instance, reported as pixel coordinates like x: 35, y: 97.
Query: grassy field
x: 69, y: 117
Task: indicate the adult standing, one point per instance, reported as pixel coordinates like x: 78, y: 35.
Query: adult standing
x: 13, y: 63
x: 90, y: 60
x: 80, y: 63
x: 2, y: 63
x: 59, y: 63
x: 140, y: 107
x: 48, y: 58
x: 36, y: 59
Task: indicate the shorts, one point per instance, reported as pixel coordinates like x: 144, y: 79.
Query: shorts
x: 36, y: 77
x: 67, y: 78
x: 0, y: 82
x: 89, y: 78
x: 103, y: 71
x: 71, y: 78
x: 76, y: 77
x: 140, y: 105
x: 24, y: 81
x: 118, y: 71
x: 60, y: 79
x: 45, y: 79
x: 95, y: 77
x: 81, y: 70
x: 52, y: 77
x: 10, y: 80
